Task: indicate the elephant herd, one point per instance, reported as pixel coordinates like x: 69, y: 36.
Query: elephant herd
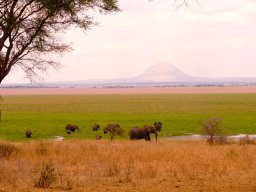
x: 135, y: 133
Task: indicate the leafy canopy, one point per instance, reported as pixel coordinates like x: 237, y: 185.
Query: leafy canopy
x: 28, y: 30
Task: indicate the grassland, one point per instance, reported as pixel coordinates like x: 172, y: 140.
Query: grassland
x: 82, y: 165
x: 89, y: 165
x: 47, y: 115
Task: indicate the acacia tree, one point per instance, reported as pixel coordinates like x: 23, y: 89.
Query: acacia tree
x: 28, y: 30
x: 211, y: 128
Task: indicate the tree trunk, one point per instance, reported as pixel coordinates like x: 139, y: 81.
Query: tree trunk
x: 1, y: 79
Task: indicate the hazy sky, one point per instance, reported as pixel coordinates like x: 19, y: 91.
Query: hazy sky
x: 215, y: 38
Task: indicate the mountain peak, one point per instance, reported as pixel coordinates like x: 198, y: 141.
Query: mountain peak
x: 163, y: 67
x: 164, y: 72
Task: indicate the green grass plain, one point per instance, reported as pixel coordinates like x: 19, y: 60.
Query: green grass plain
x: 47, y: 115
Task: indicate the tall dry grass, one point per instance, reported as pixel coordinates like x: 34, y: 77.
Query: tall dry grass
x: 130, y: 166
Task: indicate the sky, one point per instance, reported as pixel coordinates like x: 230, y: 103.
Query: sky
x: 210, y: 38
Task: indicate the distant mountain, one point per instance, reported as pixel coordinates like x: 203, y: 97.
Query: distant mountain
x: 165, y: 72
x: 161, y: 74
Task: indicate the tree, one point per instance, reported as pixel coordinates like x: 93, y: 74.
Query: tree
x: 28, y: 30
x: 213, y: 129
x: 113, y: 130
x: 0, y: 114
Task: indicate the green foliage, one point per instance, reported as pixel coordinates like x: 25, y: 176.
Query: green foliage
x: 46, y: 116
x: 116, y: 132
x: 31, y: 29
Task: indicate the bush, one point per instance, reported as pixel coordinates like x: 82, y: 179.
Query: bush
x: 212, y: 128
x: 42, y: 148
x: 114, y: 130
x: 246, y: 140
x: 220, y: 140
x: 6, y: 150
x: 47, y: 176
x: 66, y: 182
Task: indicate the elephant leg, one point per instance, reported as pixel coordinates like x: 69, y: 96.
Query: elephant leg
x: 130, y: 135
x: 147, y: 137
x: 133, y: 137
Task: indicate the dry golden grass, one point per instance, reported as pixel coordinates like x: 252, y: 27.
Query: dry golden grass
x: 130, y: 166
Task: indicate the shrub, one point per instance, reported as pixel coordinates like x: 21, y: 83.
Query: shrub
x: 66, y: 182
x: 220, y: 140
x: 47, y: 176
x: 118, y: 131
x: 113, y: 130
x: 212, y: 128
x: 6, y: 150
x: 42, y: 148
x: 245, y: 140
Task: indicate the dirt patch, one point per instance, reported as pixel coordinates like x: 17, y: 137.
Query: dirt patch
x: 145, y: 90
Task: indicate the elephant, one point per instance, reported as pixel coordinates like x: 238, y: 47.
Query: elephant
x: 28, y: 133
x: 158, y: 126
x: 68, y: 132
x: 144, y: 132
x: 71, y: 128
x: 98, y: 137
x: 95, y: 127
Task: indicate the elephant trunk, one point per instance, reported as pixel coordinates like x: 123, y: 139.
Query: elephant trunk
x: 156, y: 136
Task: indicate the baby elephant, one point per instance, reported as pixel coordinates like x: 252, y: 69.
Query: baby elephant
x: 98, y: 137
x: 71, y: 128
x: 95, y: 127
x: 28, y: 133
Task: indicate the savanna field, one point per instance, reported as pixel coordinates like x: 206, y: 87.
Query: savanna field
x: 47, y: 115
x: 80, y: 163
